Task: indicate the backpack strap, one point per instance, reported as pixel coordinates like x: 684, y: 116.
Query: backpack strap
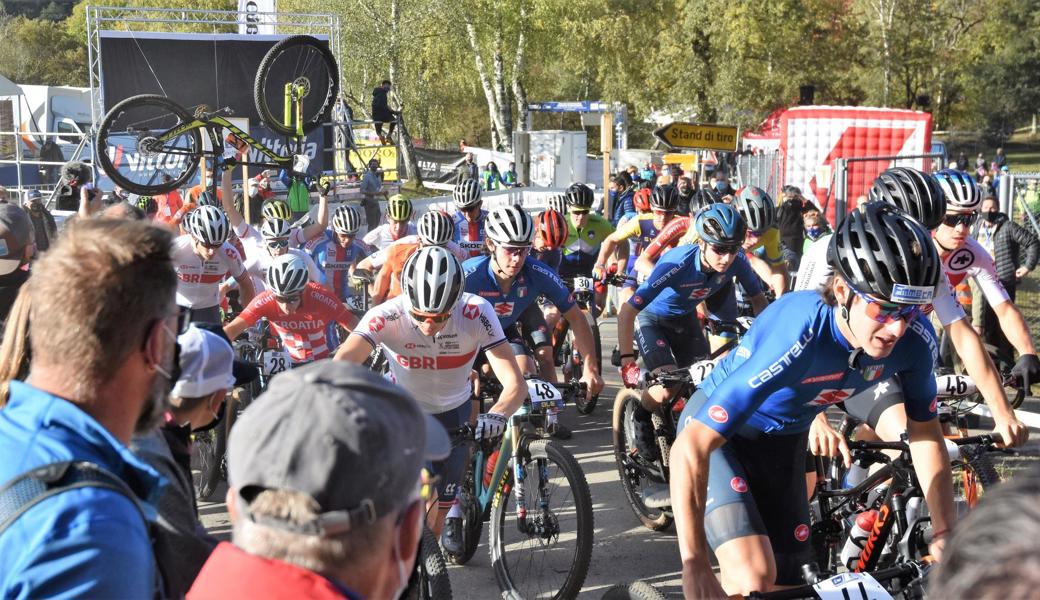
x: 32, y: 487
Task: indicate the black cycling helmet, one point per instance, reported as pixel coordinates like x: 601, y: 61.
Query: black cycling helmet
x: 913, y: 192
x: 757, y: 208
x: 720, y: 224
x: 703, y: 197
x: 881, y: 252
x: 580, y: 196
x: 664, y: 197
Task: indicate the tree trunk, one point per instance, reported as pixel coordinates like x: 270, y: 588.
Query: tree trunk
x: 485, y: 82
x: 505, y: 108
x: 885, y: 14
x: 404, y: 139
x: 519, y: 93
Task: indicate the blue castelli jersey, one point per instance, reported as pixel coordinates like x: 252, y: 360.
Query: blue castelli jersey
x: 470, y: 236
x: 679, y: 282
x: 794, y: 362
x: 534, y: 279
x: 334, y: 262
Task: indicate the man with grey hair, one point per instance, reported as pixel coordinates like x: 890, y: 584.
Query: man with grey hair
x: 324, y: 470
x: 75, y: 503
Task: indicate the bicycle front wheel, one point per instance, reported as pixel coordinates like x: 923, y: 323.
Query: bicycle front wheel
x: 550, y: 558
x: 305, y: 63
x: 140, y: 148
x: 973, y: 475
x: 206, y: 457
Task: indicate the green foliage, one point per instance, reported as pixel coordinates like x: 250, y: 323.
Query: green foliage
x: 973, y: 63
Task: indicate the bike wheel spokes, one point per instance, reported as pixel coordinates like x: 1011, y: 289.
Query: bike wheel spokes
x: 140, y: 149
x: 551, y: 558
x: 300, y: 66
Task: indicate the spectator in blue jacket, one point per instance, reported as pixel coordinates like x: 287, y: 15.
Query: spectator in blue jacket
x: 622, y: 203
x: 104, y: 328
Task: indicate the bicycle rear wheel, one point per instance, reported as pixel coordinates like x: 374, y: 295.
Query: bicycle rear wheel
x: 430, y: 580
x: 137, y: 152
x: 304, y: 61
x: 206, y: 457
x: 472, y: 522
x: 552, y: 560
x: 634, y: 480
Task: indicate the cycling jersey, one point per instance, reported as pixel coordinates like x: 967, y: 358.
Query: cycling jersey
x: 302, y: 332
x: 535, y: 278
x: 435, y: 370
x: 380, y: 237
x: 388, y: 280
x: 470, y: 235
x: 794, y: 362
x: 551, y: 258
x: 814, y: 272
x: 582, y: 249
x: 679, y: 282
x: 679, y: 231
x: 257, y: 258
x: 334, y: 262
x: 198, y: 281
x: 972, y: 260
x: 640, y: 229
x: 296, y: 237
x: 378, y: 258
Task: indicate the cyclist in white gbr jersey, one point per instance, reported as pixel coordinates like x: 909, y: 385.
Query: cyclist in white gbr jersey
x: 432, y: 333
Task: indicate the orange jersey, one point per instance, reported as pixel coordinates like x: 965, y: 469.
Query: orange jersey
x: 389, y: 277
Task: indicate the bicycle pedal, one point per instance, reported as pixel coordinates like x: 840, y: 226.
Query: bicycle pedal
x: 657, y: 496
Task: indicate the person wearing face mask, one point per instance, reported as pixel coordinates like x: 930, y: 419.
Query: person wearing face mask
x: 1014, y: 250
x: 101, y: 368
x: 206, y: 371
x: 325, y: 497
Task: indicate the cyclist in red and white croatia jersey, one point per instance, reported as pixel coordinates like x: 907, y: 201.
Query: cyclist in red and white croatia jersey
x: 299, y: 235
x: 432, y: 333
x: 299, y: 311
x: 203, y: 258
x: 963, y: 256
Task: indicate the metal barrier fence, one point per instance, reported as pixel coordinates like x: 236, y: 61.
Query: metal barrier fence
x: 763, y: 170
x: 861, y: 171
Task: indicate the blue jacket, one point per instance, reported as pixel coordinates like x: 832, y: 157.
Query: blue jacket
x: 86, y: 542
x: 623, y: 203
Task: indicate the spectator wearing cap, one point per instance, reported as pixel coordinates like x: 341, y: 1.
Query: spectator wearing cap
x: 16, y: 249
x: 207, y: 368
x: 324, y: 471
x: 44, y: 227
x: 100, y: 370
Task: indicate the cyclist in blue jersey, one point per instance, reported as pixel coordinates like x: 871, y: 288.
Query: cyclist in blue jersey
x: 470, y: 218
x: 512, y: 283
x: 338, y: 252
x: 737, y: 465
x: 669, y: 333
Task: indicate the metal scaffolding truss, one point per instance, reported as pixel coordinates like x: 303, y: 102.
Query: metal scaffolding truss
x: 144, y: 19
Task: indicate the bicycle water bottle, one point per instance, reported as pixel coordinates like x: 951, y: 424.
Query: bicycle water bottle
x: 857, y: 537
x: 856, y: 474
x: 489, y: 468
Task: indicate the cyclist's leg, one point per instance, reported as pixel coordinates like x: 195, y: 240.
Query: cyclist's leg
x: 524, y: 355
x: 450, y: 470
x: 209, y: 314
x: 664, y: 345
x: 537, y: 335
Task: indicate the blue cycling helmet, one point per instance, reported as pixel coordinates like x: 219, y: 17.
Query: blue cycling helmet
x: 963, y: 195
x: 720, y: 224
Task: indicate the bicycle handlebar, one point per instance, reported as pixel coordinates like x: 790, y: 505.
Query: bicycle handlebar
x: 914, y: 569
x: 984, y: 439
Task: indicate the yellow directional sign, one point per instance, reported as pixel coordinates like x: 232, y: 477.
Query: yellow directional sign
x: 703, y: 136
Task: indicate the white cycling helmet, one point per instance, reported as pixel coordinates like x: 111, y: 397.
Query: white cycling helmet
x: 558, y: 202
x: 287, y: 275
x: 435, y: 228
x: 346, y: 220
x: 274, y: 229
x: 208, y: 225
x: 466, y: 194
x: 432, y: 280
x: 510, y: 226
x: 963, y: 195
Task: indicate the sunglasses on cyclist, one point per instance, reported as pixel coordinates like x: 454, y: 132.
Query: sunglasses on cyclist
x: 209, y: 247
x: 516, y: 250
x: 725, y: 249
x: 276, y: 244
x: 887, y: 312
x: 421, y: 317
x: 579, y: 212
x: 954, y: 220
x: 287, y: 299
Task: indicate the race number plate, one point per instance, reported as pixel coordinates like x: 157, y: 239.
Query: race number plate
x: 355, y: 303
x: 699, y: 371
x: 582, y: 284
x: 276, y: 361
x: 954, y: 386
x: 851, y: 586
x: 543, y: 391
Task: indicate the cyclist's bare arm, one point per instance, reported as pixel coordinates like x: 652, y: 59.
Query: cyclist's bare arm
x: 932, y: 464
x: 356, y: 350
x: 759, y: 303
x: 235, y: 328
x: 774, y: 275
x: 689, y: 491
x: 1014, y: 327
x: 246, y: 291
x: 315, y: 229
x: 979, y: 365
x: 503, y: 365
x: 227, y: 199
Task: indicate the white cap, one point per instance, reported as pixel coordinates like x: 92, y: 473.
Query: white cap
x: 206, y: 364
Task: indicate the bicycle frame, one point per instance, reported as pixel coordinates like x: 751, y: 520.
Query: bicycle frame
x: 212, y: 127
